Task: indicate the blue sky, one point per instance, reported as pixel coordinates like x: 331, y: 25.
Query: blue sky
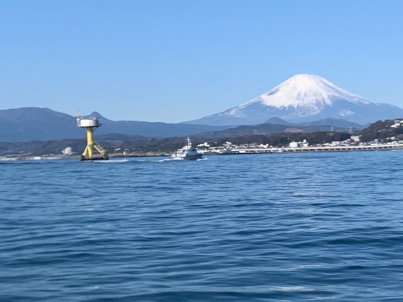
x: 174, y: 61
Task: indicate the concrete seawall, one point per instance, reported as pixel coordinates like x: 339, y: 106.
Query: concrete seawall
x: 379, y: 147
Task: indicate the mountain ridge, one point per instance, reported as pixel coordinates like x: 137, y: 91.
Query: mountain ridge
x: 43, y: 124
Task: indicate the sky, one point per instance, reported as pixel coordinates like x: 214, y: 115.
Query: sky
x: 173, y: 61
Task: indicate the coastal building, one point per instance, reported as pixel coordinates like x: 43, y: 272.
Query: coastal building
x: 355, y: 138
x: 67, y: 151
x: 302, y: 144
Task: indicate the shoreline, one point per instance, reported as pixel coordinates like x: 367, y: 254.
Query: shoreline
x: 274, y: 150
x: 379, y: 147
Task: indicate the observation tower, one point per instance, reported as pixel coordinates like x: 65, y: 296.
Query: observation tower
x: 90, y: 123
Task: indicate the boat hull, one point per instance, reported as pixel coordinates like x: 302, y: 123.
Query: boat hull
x: 189, y: 157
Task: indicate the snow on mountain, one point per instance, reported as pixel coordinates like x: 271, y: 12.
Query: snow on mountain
x: 305, y: 90
x: 304, y: 98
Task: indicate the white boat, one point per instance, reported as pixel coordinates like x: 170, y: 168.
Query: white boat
x: 187, y: 152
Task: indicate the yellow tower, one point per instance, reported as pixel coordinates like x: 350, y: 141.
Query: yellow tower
x: 90, y: 123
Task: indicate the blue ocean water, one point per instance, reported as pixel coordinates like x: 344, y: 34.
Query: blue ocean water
x: 274, y: 227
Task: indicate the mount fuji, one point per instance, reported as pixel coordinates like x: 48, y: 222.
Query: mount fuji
x: 304, y: 98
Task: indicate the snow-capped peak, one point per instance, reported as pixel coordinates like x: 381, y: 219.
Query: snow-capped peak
x: 305, y: 90
x: 304, y: 98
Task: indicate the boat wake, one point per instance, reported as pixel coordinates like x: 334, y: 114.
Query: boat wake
x: 111, y: 161
x: 164, y: 160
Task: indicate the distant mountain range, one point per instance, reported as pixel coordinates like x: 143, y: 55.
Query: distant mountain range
x: 341, y: 123
x: 42, y: 124
x: 276, y: 125
x: 304, y: 98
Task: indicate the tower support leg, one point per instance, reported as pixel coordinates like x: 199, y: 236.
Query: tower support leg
x: 89, y: 142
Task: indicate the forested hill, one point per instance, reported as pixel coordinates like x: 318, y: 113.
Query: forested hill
x: 382, y: 130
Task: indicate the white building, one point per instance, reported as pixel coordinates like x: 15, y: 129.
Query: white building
x: 302, y: 144
x: 355, y: 138
x: 67, y: 151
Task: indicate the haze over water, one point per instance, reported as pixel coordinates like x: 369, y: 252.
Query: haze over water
x: 227, y: 228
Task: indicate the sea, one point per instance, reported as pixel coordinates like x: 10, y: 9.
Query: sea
x: 263, y: 227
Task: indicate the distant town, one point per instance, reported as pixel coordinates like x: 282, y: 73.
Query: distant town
x: 352, y: 144
x: 382, y: 135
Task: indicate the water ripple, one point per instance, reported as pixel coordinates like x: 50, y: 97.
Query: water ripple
x: 229, y: 228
